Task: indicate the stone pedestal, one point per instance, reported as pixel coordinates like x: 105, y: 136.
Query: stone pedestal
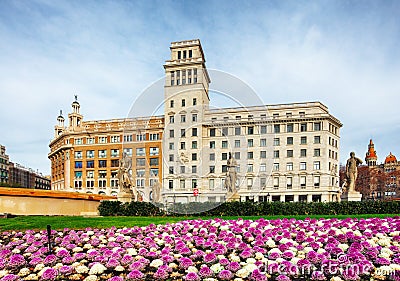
x: 351, y: 196
x: 125, y: 197
x: 233, y: 196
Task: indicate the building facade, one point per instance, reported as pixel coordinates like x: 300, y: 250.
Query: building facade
x: 383, y: 179
x: 284, y: 152
x: 85, y: 155
x: 4, y: 162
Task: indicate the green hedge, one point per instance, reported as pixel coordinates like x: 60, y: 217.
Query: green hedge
x: 115, y: 208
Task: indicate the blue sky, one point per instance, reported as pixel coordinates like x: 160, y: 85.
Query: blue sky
x: 343, y: 53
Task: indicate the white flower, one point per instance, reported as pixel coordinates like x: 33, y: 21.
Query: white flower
x: 87, y: 246
x: 216, y: 268
x: 234, y: 258
x: 58, y: 265
x: 384, y: 270
x: 395, y: 266
x: 250, y: 261
x: 91, y: 278
x: 395, y: 233
x: 39, y: 267
x: 270, y: 243
x: 274, y: 250
x: 384, y: 242
x: 242, y: 273
x: 24, y: 271
x: 344, y: 247
x: 16, y: 251
x: 250, y: 267
x: 97, y: 269
x: 192, y: 269
x: 254, y: 224
x: 284, y: 240
x: 77, y: 250
x: 259, y: 256
x: 3, y: 273
x: 156, y: 263
x: 119, y: 268
x: 240, y: 221
x: 173, y: 265
x: 238, y: 279
x: 224, y: 227
x: 280, y: 260
x: 81, y: 269
x: 321, y: 251
x: 90, y: 232
x: 307, y: 249
x: 131, y: 251
x: 32, y: 277
x: 112, y: 239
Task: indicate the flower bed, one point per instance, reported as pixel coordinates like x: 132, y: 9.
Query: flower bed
x: 287, y: 249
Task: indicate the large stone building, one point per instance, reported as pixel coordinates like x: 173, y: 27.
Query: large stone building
x: 85, y: 155
x: 284, y: 152
x: 4, y: 162
x: 16, y: 175
x: 383, y: 178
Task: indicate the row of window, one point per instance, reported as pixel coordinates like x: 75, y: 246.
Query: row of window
x: 180, y: 77
x: 276, y: 182
x: 115, y: 163
x: 102, y: 183
x: 183, y: 133
x: 183, y: 102
x: 263, y: 154
x: 117, y: 138
x: 251, y: 130
x: 183, y: 118
x: 262, y: 116
x: 153, y: 151
x: 184, y: 53
x: 250, y: 168
x: 263, y: 142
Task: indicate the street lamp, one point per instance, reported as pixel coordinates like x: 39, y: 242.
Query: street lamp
x: 174, y: 201
x: 268, y: 195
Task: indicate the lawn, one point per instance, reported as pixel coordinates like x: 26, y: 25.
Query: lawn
x: 60, y: 222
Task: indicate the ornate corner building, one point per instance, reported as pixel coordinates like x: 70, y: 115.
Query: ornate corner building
x: 283, y: 152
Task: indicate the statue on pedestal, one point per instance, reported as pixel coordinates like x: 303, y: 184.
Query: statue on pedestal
x: 351, y: 171
x: 156, y: 188
x: 231, y: 176
x: 126, y: 184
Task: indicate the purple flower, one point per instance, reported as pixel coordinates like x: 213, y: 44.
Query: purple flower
x: 16, y: 261
x: 205, y: 272
x: 256, y: 275
x: 137, y: 265
x: 210, y: 258
x: 135, y: 275
x: 10, y: 277
x: 49, y: 274
x: 318, y: 275
x: 112, y: 263
x: 382, y: 261
x: 282, y: 277
x: 185, y: 262
x: 161, y: 274
x: 116, y: 278
x: 225, y: 275
x: 127, y: 259
x: 192, y: 276
x: 233, y: 266
x: 66, y: 270
x: 50, y: 260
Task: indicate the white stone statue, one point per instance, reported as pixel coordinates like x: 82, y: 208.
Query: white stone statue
x: 351, y: 172
x: 125, y: 178
x: 156, y: 188
x: 231, y: 175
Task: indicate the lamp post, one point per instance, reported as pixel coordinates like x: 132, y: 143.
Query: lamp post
x: 268, y: 195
